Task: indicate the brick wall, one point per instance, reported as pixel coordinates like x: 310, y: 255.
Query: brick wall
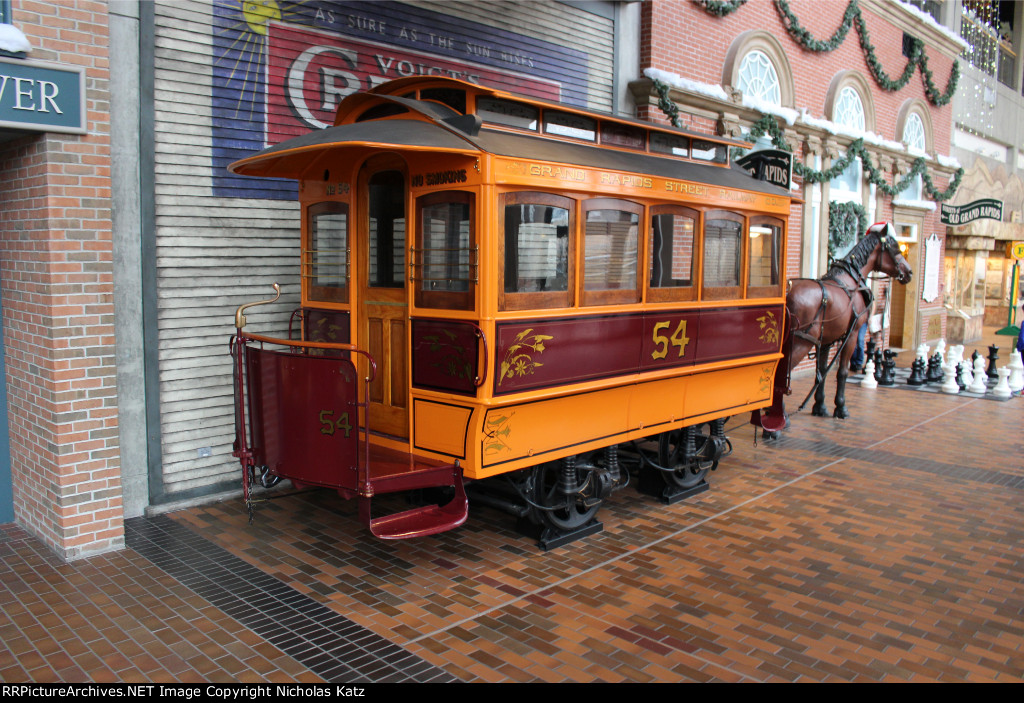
x: 681, y: 37
x: 57, y: 287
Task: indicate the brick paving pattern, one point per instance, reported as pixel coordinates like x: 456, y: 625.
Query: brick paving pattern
x: 881, y: 548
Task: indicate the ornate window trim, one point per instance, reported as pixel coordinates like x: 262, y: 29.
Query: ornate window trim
x: 856, y: 81
x: 758, y: 40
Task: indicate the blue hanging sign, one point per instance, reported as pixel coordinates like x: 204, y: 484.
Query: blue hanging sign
x: 42, y: 97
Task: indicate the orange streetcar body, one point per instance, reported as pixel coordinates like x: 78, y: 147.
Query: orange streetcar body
x: 535, y: 282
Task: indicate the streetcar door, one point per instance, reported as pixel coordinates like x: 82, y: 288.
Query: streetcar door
x: 383, y: 310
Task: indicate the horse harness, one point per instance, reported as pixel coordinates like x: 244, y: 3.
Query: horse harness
x: 841, y: 266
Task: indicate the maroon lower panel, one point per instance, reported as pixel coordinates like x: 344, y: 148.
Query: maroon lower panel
x: 444, y: 355
x: 552, y: 352
x: 303, y: 416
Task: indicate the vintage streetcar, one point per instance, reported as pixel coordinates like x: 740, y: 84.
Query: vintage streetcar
x: 535, y: 300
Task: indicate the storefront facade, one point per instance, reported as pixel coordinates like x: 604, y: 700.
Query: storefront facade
x: 857, y: 133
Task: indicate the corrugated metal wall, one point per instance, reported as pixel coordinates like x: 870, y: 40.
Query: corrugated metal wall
x: 215, y: 253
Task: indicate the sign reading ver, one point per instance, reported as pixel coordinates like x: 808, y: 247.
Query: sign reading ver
x: 41, y: 97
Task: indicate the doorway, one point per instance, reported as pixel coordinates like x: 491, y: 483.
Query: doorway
x: 382, y: 304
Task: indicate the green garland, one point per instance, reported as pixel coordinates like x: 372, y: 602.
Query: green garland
x: 769, y: 125
x: 852, y: 17
x: 846, y: 221
x: 720, y: 8
x: 666, y: 104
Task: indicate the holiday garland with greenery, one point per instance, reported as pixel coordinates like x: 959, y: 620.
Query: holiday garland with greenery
x: 769, y: 125
x: 846, y: 222
x: 720, y: 8
x: 852, y: 17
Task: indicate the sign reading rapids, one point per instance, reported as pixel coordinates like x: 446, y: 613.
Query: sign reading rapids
x: 281, y: 69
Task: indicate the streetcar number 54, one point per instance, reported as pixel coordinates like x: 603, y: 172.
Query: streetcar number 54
x: 677, y: 339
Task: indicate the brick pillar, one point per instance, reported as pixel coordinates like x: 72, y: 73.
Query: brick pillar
x: 58, y: 312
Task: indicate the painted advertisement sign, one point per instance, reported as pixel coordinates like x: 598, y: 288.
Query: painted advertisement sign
x: 281, y: 68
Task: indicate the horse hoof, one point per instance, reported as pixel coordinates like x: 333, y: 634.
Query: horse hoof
x: 841, y: 413
x: 817, y: 411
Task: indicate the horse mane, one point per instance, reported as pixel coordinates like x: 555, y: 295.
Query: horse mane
x: 858, y: 256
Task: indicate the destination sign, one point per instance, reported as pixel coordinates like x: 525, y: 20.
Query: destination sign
x: 962, y: 214
x: 770, y: 165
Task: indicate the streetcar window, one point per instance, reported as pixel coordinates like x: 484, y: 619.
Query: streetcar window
x: 325, y: 256
x: 764, y: 277
x: 387, y: 230
x: 674, y: 144
x: 614, y: 134
x: 445, y: 254
x: 564, y: 124
x: 723, y: 254
x: 610, y: 252
x: 710, y: 151
x: 537, y: 251
x: 507, y: 112
x: 673, y: 254
x: 455, y: 99
x: 378, y: 112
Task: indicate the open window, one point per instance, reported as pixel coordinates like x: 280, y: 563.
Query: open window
x: 445, y: 256
x: 764, y: 276
x: 674, y: 254
x: 536, y: 250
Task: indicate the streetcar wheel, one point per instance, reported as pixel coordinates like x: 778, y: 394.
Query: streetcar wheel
x: 670, y: 455
x: 553, y: 507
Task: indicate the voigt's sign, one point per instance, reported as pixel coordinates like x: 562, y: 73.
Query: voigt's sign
x: 309, y: 72
x: 41, y: 97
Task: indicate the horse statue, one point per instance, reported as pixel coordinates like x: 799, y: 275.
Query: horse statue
x: 822, y: 312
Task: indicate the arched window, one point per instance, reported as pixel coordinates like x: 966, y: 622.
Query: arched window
x: 914, y: 138
x: 758, y: 78
x: 849, y: 113
x: 757, y: 65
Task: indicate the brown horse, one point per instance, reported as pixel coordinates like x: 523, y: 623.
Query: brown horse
x: 829, y: 310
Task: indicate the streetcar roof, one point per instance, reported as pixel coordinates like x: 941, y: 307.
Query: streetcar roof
x: 426, y: 125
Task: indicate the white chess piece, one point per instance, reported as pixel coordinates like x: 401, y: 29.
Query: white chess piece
x: 1016, y: 367
x: 1002, y: 389
x: 949, y: 378
x: 869, y: 375
x: 980, y: 384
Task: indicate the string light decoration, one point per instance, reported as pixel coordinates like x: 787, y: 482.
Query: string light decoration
x: 979, y: 22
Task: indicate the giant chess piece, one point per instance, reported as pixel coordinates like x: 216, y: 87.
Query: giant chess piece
x: 869, y: 374
x: 993, y: 357
x: 980, y: 384
x: 940, y: 348
x: 935, y: 368
x: 888, y: 369
x: 869, y: 349
x: 959, y: 376
x: 917, y: 375
x: 879, y: 365
x: 1016, y: 367
x: 967, y: 372
x: 1002, y: 389
x: 949, y: 384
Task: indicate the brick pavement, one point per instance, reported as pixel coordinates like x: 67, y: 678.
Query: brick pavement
x: 881, y: 548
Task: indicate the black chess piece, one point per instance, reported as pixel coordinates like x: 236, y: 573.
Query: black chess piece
x: 960, y: 377
x: 993, y: 356
x: 917, y: 375
x: 935, y: 368
x: 879, y: 368
x: 888, y: 369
